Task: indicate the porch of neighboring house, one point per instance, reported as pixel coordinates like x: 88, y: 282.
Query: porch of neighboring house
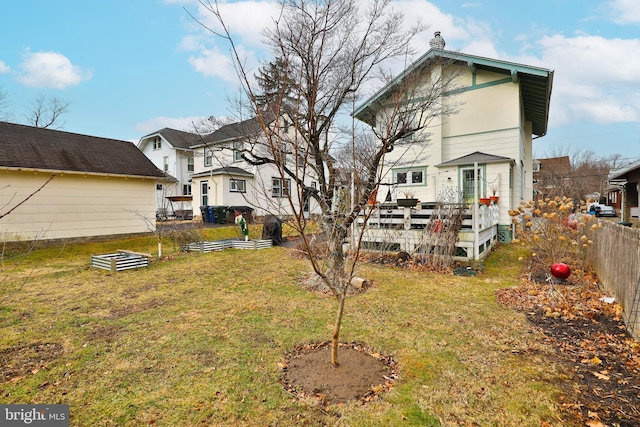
x: 412, y: 229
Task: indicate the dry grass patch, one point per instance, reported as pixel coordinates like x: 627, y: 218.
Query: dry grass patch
x: 201, y: 339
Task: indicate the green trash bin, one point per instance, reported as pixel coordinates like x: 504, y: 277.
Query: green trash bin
x: 220, y: 214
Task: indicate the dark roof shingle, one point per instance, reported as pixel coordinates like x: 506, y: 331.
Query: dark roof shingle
x: 30, y: 147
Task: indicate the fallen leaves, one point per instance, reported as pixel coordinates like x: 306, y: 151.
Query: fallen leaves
x: 588, y: 332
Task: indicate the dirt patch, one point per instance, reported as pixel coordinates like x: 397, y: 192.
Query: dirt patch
x: 106, y: 333
x: 19, y: 361
x: 592, y: 344
x: 361, y: 375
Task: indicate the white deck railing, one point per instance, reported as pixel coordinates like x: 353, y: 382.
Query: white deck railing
x: 397, y: 228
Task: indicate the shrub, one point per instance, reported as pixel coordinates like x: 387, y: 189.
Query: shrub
x: 554, y: 230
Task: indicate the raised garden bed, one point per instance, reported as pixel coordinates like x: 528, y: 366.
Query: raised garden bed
x: 252, y: 244
x: 121, y: 260
x: 204, y: 246
x: 218, y: 245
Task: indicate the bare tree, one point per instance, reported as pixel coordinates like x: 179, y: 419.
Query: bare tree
x: 332, y: 49
x: 586, y: 174
x: 47, y: 113
x: 4, y: 106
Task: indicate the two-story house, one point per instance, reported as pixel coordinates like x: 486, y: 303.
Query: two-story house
x: 485, y: 147
x: 170, y: 150
x: 223, y: 177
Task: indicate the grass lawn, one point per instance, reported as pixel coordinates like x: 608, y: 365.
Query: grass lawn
x: 199, y: 339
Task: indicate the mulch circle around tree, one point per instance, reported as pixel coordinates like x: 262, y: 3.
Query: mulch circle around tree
x: 591, y: 343
x: 361, y: 375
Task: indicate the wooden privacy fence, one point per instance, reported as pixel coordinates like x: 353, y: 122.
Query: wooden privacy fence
x: 615, y: 256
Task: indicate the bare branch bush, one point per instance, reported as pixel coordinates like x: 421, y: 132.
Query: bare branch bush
x: 10, y: 281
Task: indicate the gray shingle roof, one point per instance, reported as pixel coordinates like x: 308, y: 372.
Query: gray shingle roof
x: 477, y: 156
x: 178, y: 138
x: 27, y: 147
x: 228, y: 170
x: 238, y: 130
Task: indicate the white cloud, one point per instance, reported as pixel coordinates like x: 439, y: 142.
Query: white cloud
x: 625, y: 11
x: 50, y: 70
x: 180, y: 123
x: 4, y: 68
x: 590, y: 85
x: 213, y: 63
x: 211, y: 54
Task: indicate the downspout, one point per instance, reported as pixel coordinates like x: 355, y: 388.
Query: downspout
x: 476, y: 212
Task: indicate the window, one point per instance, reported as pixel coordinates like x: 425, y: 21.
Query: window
x: 158, y: 187
x: 157, y: 143
x: 415, y: 176
x: 166, y: 163
x: 190, y: 164
x: 238, y: 146
x: 208, y: 157
x: 283, y: 153
x: 186, y: 189
x: 279, y: 190
x: 237, y: 185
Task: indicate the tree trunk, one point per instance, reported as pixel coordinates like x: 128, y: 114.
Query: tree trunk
x: 336, y: 332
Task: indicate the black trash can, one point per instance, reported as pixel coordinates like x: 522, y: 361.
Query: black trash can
x: 204, y: 213
x: 220, y: 214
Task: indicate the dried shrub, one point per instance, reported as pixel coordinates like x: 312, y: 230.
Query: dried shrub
x: 554, y: 230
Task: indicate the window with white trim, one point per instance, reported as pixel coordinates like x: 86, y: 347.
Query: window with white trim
x: 157, y: 143
x: 238, y: 146
x: 190, y: 164
x: 237, y: 185
x: 166, y: 163
x: 278, y: 189
x: 186, y: 189
x: 208, y: 157
x: 414, y: 176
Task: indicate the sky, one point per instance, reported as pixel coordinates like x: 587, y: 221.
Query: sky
x: 128, y: 68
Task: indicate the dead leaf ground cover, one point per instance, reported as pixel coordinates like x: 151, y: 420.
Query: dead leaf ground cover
x: 203, y: 338
x: 591, y: 342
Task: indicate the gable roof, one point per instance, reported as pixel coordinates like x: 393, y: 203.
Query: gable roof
x: 177, y: 138
x: 237, y: 130
x: 535, y: 84
x: 477, y: 156
x: 26, y: 147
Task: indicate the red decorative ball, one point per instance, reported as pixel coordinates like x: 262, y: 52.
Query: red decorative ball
x: 560, y: 270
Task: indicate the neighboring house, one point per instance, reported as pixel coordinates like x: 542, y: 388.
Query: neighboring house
x: 223, y: 178
x: 626, y: 185
x: 169, y: 149
x: 551, y: 177
x: 58, y: 185
x: 502, y: 107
